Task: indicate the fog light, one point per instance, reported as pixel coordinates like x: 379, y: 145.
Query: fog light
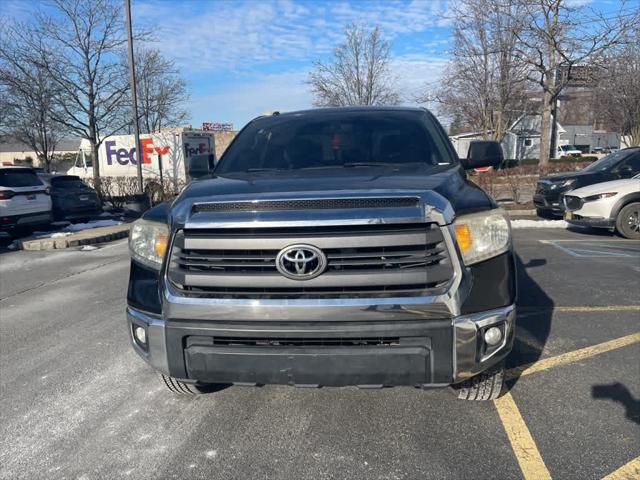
x: 141, y: 335
x: 493, y: 336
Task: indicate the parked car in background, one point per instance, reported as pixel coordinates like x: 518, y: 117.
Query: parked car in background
x: 619, y: 165
x: 569, y: 151
x: 612, y: 205
x: 25, y: 202
x: 72, y: 199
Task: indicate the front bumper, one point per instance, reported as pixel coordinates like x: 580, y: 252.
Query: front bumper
x: 594, y: 222
x: 419, y: 352
x: 549, y: 202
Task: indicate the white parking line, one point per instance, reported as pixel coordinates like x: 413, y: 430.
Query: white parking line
x: 596, y: 248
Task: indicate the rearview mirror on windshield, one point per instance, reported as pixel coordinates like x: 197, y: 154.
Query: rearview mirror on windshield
x: 483, y: 153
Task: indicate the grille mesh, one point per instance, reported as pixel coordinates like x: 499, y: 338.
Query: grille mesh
x: 325, y: 203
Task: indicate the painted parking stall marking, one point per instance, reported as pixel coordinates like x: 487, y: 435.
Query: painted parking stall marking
x: 597, y: 249
x: 574, y: 356
x: 522, y: 443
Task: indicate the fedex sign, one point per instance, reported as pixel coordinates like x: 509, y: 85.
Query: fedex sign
x: 199, y: 149
x: 124, y: 156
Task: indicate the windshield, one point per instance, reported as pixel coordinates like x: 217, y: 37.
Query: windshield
x: 19, y: 178
x: 67, y: 182
x: 336, y: 139
x: 606, y: 163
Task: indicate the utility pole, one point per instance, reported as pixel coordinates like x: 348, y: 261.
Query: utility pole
x: 134, y: 98
x: 553, y: 143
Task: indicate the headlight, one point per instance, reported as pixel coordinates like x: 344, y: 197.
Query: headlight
x: 482, y: 235
x: 600, y: 196
x: 563, y: 185
x: 148, y: 242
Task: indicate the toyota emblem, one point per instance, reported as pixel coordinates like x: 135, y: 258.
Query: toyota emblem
x: 301, y: 262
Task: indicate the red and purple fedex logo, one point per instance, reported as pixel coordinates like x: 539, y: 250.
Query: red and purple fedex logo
x: 125, y: 156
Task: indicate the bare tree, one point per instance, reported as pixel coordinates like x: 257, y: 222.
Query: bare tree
x: 28, y: 94
x: 359, y: 72
x: 85, y: 42
x: 618, y: 89
x: 162, y: 92
x: 483, y: 86
x: 560, y: 36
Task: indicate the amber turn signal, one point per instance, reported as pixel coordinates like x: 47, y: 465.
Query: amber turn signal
x: 160, y: 245
x: 463, y: 237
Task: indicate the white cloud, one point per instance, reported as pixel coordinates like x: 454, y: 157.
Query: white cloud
x: 240, y: 35
x: 288, y: 91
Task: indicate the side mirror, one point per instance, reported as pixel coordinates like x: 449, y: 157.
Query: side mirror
x: 200, y: 166
x: 483, y: 153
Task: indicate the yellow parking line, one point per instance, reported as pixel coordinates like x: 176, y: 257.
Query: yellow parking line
x: 522, y: 443
x: 630, y: 471
x: 574, y: 356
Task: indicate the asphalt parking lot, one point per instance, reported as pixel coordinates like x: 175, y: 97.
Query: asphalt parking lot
x: 78, y: 403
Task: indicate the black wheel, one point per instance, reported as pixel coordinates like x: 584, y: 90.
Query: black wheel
x: 485, y: 386
x: 183, y: 388
x: 628, y: 221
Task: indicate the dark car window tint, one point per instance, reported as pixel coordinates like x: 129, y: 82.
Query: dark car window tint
x: 67, y: 182
x: 335, y: 139
x: 19, y: 178
x: 633, y: 162
x: 608, y: 162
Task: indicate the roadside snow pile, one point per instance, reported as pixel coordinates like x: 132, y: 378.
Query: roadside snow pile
x: 88, y: 248
x: 539, y: 224
x: 75, y: 227
x: 60, y: 234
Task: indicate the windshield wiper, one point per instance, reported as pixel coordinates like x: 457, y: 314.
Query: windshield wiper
x: 252, y: 170
x: 369, y: 164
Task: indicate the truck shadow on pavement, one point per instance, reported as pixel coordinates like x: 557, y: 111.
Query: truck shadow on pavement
x: 619, y: 393
x: 533, y: 323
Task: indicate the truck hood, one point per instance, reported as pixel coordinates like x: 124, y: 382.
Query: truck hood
x: 622, y: 187
x: 439, y: 187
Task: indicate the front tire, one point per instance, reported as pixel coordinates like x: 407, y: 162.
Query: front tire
x: 484, y: 386
x: 628, y: 221
x: 182, y: 388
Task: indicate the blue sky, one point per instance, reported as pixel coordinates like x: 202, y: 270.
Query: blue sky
x: 244, y: 57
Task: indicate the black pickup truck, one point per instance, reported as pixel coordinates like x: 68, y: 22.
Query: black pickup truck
x: 329, y: 247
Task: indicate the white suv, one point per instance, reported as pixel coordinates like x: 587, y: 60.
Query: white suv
x: 612, y: 205
x: 24, y: 199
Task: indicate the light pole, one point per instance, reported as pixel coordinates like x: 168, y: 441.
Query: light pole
x: 134, y: 98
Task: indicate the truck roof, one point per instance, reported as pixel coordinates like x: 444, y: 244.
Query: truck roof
x: 349, y: 109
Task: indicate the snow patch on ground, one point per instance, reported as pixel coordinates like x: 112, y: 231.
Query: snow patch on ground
x: 88, y: 248
x: 75, y: 227
x: 539, y: 224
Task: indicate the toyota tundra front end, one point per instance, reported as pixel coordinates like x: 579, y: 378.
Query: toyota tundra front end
x: 327, y: 275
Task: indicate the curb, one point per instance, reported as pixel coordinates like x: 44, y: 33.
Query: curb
x: 521, y: 213
x: 83, y: 237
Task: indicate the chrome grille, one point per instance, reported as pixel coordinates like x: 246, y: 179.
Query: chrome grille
x: 362, y: 260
